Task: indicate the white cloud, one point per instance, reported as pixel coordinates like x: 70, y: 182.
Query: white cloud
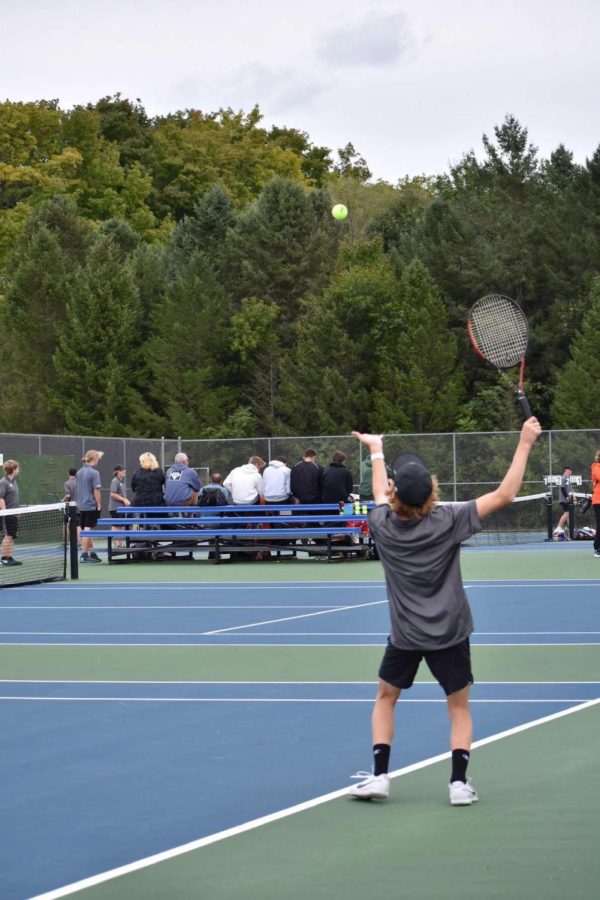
x: 378, y: 39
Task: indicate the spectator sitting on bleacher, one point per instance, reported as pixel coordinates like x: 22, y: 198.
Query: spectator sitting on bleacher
x: 148, y: 482
x: 215, y: 493
x: 182, y: 485
x: 276, y: 479
x: 305, y: 478
x: 246, y: 483
x: 336, y: 483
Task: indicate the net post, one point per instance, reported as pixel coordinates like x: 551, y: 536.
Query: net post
x: 72, y: 536
x: 571, y: 517
x: 549, y: 517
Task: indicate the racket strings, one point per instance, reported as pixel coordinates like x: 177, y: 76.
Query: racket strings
x: 498, y: 329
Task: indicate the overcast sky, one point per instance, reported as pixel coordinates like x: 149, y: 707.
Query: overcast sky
x: 413, y: 84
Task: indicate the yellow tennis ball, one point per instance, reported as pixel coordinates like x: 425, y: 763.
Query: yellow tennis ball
x: 339, y: 212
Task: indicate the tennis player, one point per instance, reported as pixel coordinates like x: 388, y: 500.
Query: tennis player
x: 418, y: 541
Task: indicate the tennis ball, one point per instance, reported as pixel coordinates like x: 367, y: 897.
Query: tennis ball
x: 339, y: 212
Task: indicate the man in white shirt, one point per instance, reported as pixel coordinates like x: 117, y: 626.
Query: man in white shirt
x: 276, y: 479
x: 245, y: 483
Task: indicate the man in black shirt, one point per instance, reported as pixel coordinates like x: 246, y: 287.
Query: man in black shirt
x: 337, y: 483
x: 306, y: 477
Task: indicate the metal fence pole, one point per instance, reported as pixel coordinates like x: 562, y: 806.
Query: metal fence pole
x: 454, y: 466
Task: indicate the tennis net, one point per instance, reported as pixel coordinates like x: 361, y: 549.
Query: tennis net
x: 34, y: 544
x: 526, y: 520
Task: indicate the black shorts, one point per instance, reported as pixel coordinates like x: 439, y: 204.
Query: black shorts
x: 88, y: 518
x: 10, y: 525
x: 451, y: 667
x: 565, y: 506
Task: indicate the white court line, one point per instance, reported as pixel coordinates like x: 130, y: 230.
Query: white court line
x: 204, y: 585
x: 272, y: 644
x: 220, y: 607
x: 285, y: 813
x: 46, y: 699
x: 323, y: 612
x: 372, y: 682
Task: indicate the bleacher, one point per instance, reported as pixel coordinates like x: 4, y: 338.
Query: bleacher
x: 235, y: 532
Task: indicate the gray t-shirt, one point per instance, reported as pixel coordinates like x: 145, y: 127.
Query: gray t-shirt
x: 421, y: 560
x: 71, y: 490
x: 116, y: 487
x: 9, y: 491
x: 88, y: 478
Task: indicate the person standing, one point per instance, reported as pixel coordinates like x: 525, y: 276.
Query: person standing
x: 117, y: 498
x: 419, y: 541
x: 564, y: 498
x: 89, y: 500
x: 336, y: 483
x: 596, y: 500
x: 70, y: 496
x: 9, y: 499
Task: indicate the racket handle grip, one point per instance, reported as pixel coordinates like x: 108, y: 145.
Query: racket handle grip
x: 524, y: 406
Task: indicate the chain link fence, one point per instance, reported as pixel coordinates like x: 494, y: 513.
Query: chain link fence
x: 466, y: 464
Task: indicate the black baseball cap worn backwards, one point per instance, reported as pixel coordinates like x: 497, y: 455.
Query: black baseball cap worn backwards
x: 413, y: 479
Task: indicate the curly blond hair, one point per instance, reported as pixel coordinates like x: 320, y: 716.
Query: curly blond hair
x: 148, y: 461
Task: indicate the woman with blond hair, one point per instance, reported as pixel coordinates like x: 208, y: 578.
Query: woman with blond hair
x: 148, y: 482
x: 596, y: 500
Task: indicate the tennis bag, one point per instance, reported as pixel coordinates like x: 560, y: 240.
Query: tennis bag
x: 213, y: 497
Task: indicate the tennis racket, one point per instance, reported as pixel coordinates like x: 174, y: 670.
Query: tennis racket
x: 499, y: 332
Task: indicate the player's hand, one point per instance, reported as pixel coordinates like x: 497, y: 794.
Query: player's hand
x: 373, y: 441
x: 531, y: 431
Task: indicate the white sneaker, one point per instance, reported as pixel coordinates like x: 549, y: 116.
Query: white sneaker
x: 597, y: 553
x: 462, y: 793
x: 372, y: 787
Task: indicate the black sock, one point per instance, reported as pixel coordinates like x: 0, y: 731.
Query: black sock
x: 381, y: 756
x: 460, y: 761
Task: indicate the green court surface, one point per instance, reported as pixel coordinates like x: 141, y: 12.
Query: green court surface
x: 555, y: 561
x: 534, y: 834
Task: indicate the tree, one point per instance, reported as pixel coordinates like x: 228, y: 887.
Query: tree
x: 207, y: 226
x: 98, y: 353
x: 191, y: 151
x: 193, y: 378
x: 573, y: 405
x: 420, y: 382
x: 283, y: 247
x: 40, y: 269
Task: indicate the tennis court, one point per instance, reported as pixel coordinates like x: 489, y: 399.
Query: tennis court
x: 190, y: 731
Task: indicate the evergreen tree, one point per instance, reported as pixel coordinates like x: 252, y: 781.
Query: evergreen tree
x: 206, y: 228
x: 419, y: 380
x: 192, y: 372
x: 40, y: 270
x: 284, y: 246
x: 98, y: 353
x: 574, y: 398
x: 330, y: 374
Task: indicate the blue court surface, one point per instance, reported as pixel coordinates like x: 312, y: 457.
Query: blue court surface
x: 100, y: 773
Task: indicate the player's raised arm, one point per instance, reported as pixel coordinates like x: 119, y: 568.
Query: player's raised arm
x: 374, y: 442
x: 506, y: 492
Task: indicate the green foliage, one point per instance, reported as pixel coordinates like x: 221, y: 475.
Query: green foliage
x: 98, y: 351
x: 183, y: 275
x: 191, y: 373
x: 283, y: 247
x: 574, y: 398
